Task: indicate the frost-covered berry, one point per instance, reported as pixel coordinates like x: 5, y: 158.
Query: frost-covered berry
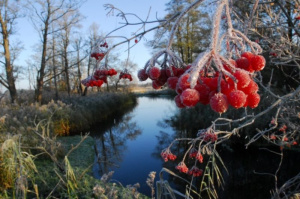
x: 258, y: 62
x: 156, y: 84
x: 226, y: 88
x: 253, y: 100
x: 248, y: 55
x: 219, y: 103
x: 183, y: 82
x: 154, y: 73
x: 237, y: 98
x: 251, y: 88
x: 204, y: 93
x: 243, y: 78
x: 172, y: 82
x: 190, y: 97
x: 243, y: 63
x: 142, y: 75
x: 178, y: 102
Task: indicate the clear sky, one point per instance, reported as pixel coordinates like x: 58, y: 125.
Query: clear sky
x: 94, y: 12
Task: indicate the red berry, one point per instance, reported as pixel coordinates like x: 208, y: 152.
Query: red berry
x: 182, y: 167
x: 178, y: 102
x: 156, y: 85
x: 248, y: 55
x: 199, y: 157
x: 253, y: 100
x: 258, y: 62
x: 183, y: 82
x: 243, y: 78
x: 163, y: 76
x: 172, y: 82
x: 136, y: 41
x: 226, y: 88
x: 237, y: 98
x: 243, y: 63
x: 154, y: 73
x: 213, y: 84
x: 251, y: 88
x: 142, y: 75
x: 190, y: 97
x: 204, y: 93
x: 219, y: 103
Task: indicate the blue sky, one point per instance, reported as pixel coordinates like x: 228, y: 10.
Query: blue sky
x: 94, y: 11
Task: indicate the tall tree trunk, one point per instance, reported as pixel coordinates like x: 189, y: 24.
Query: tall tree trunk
x: 8, y: 66
x: 80, y: 88
x: 67, y: 73
x: 41, y: 71
x: 54, y: 68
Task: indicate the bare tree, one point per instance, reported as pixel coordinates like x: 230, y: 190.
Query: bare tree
x: 69, y: 21
x: 9, y: 12
x: 43, y: 15
x: 78, y: 45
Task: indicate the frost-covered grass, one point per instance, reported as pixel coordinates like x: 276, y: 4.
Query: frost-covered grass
x: 36, y: 163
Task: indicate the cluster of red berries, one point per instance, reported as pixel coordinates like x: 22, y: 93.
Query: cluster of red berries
x: 182, y: 167
x: 237, y: 88
x: 105, y: 45
x: 194, y: 153
x: 162, y: 76
x: 285, y: 138
x: 99, y: 77
x: 212, y: 137
x: 195, y: 171
x: 101, y: 74
x: 124, y: 75
x: 166, y: 154
x: 99, y: 54
x: 220, y: 92
x: 90, y: 82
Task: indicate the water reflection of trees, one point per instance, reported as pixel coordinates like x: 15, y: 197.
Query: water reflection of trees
x: 245, y: 166
x: 111, y: 144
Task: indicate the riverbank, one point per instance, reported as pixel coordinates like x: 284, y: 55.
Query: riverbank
x: 34, y: 162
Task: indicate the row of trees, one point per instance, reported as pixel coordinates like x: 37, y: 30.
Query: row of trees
x: 62, y: 54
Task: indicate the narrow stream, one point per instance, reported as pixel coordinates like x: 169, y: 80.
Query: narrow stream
x: 129, y: 147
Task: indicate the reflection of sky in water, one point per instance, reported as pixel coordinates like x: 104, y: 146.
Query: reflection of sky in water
x: 137, y: 159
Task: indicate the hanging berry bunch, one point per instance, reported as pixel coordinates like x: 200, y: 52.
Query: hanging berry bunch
x: 99, y: 51
x: 168, y: 71
x: 212, y: 79
x: 125, y: 75
x: 91, y: 82
x: 100, y: 75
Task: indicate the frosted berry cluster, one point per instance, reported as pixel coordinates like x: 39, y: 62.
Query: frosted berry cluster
x: 125, y: 75
x: 98, y: 51
x: 166, y: 154
x: 229, y: 85
x: 161, y: 76
x: 221, y: 91
x: 99, y: 77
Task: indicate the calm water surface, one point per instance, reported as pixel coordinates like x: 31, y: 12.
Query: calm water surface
x: 129, y: 146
